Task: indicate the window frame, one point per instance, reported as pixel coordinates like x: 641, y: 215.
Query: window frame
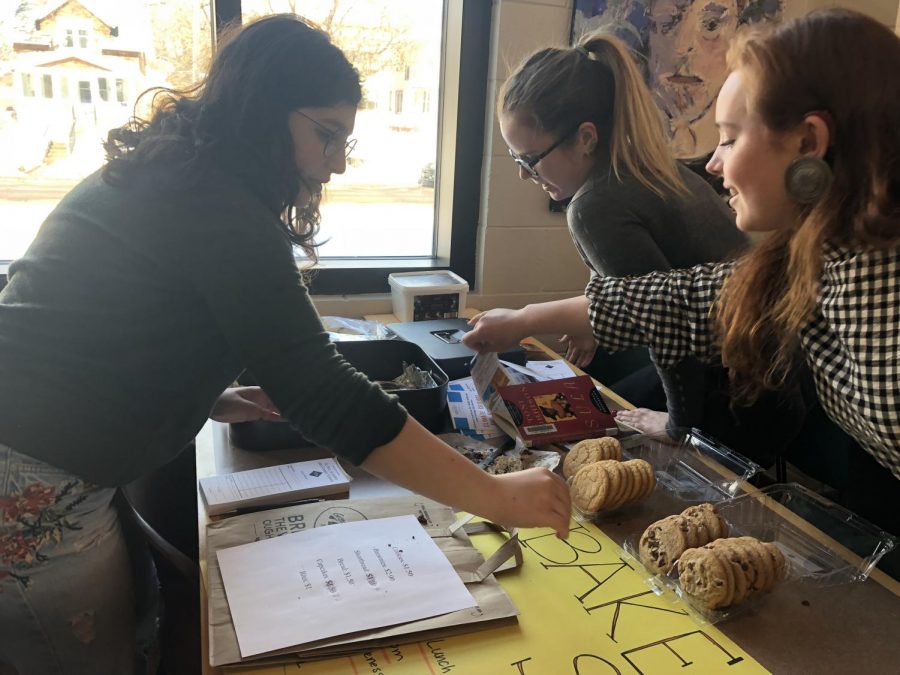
x: 458, y: 192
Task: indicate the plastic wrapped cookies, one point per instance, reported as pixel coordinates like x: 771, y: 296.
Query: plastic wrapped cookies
x: 727, y: 572
x: 665, y: 540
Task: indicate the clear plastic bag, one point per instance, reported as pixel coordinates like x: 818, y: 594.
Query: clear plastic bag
x: 341, y: 329
x: 494, y: 458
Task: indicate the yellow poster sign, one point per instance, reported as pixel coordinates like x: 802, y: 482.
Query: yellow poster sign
x: 584, y: 610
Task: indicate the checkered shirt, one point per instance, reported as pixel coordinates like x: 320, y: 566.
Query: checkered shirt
x: 851, y: 343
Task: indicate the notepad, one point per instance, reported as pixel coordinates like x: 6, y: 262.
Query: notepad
x: 274, y: 485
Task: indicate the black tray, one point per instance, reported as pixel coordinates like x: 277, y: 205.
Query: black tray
x: 378, y: 360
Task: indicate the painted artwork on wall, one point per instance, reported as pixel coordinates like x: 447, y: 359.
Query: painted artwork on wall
x: 682, y: 46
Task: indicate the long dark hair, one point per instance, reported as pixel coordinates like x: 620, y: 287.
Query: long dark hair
x: 832, y: 60
x: 236, y: 119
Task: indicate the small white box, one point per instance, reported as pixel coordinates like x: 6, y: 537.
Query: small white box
x: 422, y: 296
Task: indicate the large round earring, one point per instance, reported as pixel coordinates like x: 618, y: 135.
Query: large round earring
x: 807, y: 179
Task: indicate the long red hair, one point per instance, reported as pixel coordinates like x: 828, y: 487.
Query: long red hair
x: 845, y: 63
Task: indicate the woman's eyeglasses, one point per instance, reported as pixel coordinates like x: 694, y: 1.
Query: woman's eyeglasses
x: 528, y: 163
x: 333, y: 142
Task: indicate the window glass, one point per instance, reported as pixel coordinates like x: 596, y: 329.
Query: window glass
x: 384, y: 205
x: 50, y: 127
x: 84, y: 91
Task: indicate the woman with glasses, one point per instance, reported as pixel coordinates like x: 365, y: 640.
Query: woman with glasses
x: 580, y: 122
x: 149, y: 288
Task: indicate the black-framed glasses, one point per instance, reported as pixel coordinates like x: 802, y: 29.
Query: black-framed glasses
x: 332, y: 138
x: 528, y: 163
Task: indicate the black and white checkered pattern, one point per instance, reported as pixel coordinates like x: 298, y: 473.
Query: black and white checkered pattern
x: 851, y: 343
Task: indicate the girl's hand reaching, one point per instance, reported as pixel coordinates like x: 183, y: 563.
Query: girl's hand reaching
x: 531, y: 498
x: 580, y: 350
x: 495, y: 330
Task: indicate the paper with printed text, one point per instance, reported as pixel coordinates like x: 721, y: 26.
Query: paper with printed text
x: 333, y: 580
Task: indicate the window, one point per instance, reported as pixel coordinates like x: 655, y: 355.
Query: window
x: 429, y: 223
x: 423, y: 100
x: 387, y: 212
x: 163, y: 43
x: 383, y: 182
x: 84, y: 91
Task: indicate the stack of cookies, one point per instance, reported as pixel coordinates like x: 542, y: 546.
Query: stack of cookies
x: 591, y: 450
x: 728, y: 571
x: 609, y: 484
x: 665, y: 540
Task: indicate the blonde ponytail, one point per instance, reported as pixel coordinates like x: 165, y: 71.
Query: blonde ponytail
x: 637, y: 141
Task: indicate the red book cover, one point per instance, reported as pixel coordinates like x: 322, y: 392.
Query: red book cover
x: 557, y: 410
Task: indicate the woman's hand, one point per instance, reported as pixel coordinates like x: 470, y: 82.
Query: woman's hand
x: 580, y: 350
x: 644, y: 420
x: 244, y: 404
x: 424, y: 464
x: 495, y: 330
x: 531, y: 498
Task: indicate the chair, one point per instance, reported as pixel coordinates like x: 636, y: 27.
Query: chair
x: 162, y: 506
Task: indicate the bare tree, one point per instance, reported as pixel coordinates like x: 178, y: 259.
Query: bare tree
x: 182, y: 42
x: 381, y: 40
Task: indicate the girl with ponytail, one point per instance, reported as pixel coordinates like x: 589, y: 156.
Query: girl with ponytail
x: 580, y: 122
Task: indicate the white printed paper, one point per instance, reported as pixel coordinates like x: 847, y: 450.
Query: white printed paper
x: 334, y: 580
x: 557, y: 369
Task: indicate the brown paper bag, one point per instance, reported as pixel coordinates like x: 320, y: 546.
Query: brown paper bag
x: 494, y: 606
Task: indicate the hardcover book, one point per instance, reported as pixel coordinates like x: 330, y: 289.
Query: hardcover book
x: 557, y: 411
x: 541, y: 412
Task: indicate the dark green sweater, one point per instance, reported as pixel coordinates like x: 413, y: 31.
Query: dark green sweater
x: 134, y: 308
x: 622, y: 228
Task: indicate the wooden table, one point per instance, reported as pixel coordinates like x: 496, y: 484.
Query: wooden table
x: 854, y: 628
